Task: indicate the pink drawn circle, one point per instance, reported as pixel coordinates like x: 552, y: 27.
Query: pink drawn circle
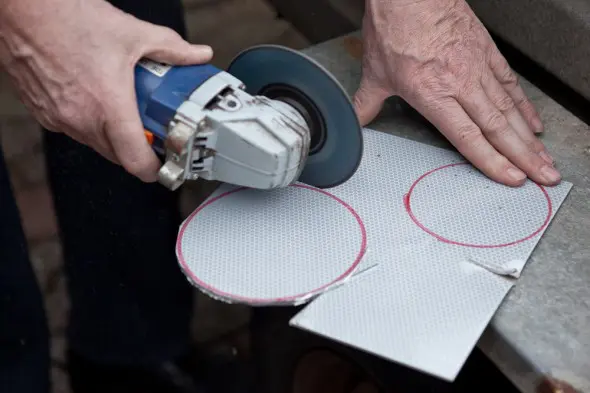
x: 420, y: 225
x: 280, y: 300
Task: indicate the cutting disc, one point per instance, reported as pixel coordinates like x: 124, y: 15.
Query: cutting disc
x: 288, y: 75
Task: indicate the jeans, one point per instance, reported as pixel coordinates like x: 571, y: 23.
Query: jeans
x: 129, y: 302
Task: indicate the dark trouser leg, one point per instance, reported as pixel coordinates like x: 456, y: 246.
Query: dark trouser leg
x: 24, y: 339
x: 167, y: 13
x: 130, y: 304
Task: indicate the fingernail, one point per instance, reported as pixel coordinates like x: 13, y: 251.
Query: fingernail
x: 545, y: 156
x: 549, y: 174
x: 516, y: 174
x: 537, y: 125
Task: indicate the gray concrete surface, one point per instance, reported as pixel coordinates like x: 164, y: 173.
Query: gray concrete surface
x: 553, y: 33
x: 229, y: 26
x: 542, y: 329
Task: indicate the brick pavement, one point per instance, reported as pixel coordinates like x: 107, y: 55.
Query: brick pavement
x: 228, y: 26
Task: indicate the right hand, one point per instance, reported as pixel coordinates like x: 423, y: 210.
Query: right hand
x: 72, y: 63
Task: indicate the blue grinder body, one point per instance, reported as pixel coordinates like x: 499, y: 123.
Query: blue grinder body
x: 161, y: 89
x: 264, y: 70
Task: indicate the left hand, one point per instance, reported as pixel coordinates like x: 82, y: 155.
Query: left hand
x: 438, y: 57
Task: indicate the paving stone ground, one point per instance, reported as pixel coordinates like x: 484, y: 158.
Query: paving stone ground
x: 229, y: 26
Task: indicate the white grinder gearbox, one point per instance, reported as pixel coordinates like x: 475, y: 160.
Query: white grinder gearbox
x: 275, y: 117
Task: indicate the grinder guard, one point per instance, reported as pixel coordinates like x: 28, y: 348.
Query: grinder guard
x: 287, y: 75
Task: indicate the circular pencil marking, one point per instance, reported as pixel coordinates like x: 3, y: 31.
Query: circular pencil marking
x: 509, y: 221
x: 266, y: 263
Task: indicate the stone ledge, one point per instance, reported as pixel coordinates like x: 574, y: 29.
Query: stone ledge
x: 553, y: 33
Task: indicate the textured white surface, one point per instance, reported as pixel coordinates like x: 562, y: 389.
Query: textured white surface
x: 497, y: 215
x: 427, y: 303
x: 248, y: 246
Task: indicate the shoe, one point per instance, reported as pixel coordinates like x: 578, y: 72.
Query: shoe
x: 188, y: 374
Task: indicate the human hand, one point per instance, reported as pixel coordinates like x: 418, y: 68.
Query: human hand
x: 438, y: 57
x: 72, y: 63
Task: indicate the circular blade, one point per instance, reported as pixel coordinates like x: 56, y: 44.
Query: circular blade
x: 339, y: 155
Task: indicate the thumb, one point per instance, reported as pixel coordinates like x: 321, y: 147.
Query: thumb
x: 167, y: 46
x: 368, y: 101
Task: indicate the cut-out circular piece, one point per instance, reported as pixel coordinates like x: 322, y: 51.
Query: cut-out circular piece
x: 262, y: 247
x: 451, y: 204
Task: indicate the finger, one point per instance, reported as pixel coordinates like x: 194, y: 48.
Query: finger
x: 107, y: 154
x: 451, y: 120
x: 508, y: 79
x: 105, y: 149
x: 368, y: 101
x: 504, y: 102
x: 125, y: 133
x: 167, y: 46
x: 501, y: 135
x: 98, y: 142
x: 99, y: 145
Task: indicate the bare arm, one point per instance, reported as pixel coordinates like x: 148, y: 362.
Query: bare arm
x: 72, y: 64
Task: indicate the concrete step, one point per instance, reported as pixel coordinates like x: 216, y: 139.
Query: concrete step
x: 234, y: 25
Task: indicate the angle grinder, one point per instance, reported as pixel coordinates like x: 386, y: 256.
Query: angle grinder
x: 275, y: 117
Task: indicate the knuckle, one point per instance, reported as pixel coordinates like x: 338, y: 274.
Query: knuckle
x: 469, y: 134
x: 525, y: 106
x: 426, y: 84
x: 495, y: 124
x: 503, y: 69
x: 65, y: 111
x: 360, y: 98
x: 536, y: 145
x: 70, y: 115
x: 468, y: 89
x: 504, y: 103
x: 136, y: 166
x: 507, y: 77
x: 429, y: 90
x: 527, y: 110
x: 459, y: 67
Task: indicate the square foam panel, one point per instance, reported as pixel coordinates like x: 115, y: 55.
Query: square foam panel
x: 431, y: 244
